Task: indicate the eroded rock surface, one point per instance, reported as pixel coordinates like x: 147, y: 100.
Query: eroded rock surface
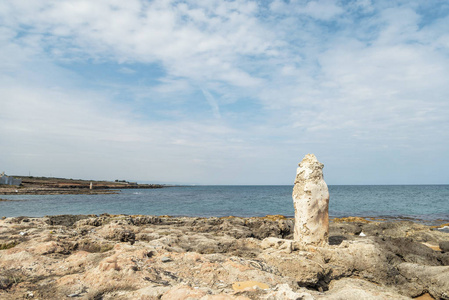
x: 311, y: 202
x: 149, y: 257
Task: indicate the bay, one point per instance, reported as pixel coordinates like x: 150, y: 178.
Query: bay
x: 423, y: 202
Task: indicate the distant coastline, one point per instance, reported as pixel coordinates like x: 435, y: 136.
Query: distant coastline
x: 63, y: 186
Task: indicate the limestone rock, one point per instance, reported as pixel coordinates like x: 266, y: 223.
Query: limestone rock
x: 434, y: 279
x: 355, y: 289
x: 4, y: 282
x: 64, y: 220
x: 47, y: 248
x: 311, y: 202
x: 306, y: 269
x: 183, y: 292
x: 117, y: 232
x: 276, y: 243
x: 284, y: 291
x: 209, y: 255
x: 362, y: 257
x: 444, y: 246
x: 251, y: 284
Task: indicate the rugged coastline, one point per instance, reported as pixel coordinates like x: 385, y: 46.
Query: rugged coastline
x: 162, y: 257
x: 62, y: 186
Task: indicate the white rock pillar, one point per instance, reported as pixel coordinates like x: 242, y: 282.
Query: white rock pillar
x: 311, y: 202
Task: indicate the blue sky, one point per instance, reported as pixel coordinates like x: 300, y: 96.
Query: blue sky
x: 225, y: 92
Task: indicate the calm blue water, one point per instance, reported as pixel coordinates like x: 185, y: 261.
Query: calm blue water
x: 427, y: 202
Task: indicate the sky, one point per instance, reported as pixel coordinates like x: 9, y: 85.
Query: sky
x: 225, y: 92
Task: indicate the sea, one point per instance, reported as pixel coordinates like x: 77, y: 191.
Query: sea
x: 425, y: 203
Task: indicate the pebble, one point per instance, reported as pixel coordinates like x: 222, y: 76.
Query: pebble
x: 73, y: 295
x: 166, y: 259
x: 444, y: 246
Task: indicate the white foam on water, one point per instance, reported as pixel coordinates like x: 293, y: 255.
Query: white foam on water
x: 444, y: 229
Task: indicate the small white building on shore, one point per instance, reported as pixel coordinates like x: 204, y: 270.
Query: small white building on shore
x: 9, y: 180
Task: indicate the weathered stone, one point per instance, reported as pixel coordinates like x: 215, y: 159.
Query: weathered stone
x: 355, y: 289
x: 166, y: 259
x: 64, y: 220
x: 444, y: 246
x: 420, y: 278
x: 276, y: 243
x: 311, y: 202
x: 183, y: 292
x: 307, y: 270
x: 4, y: 282
x: 117, y: 232
x: 251, y: 284
x: 109, y: 263
x: 47, y: 248
x: 284, y: 291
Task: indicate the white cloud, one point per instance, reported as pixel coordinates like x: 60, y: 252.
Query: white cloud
x: 150, y: 32
x: 77, y: 135
x: 321, y: 10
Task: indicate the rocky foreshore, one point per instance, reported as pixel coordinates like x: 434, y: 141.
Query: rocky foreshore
x: 149, y: 257
x: 63, y: 186
x: 56, y: 191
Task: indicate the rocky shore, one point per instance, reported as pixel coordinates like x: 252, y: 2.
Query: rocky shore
x: 149, y: 257
x: 62, y: 186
